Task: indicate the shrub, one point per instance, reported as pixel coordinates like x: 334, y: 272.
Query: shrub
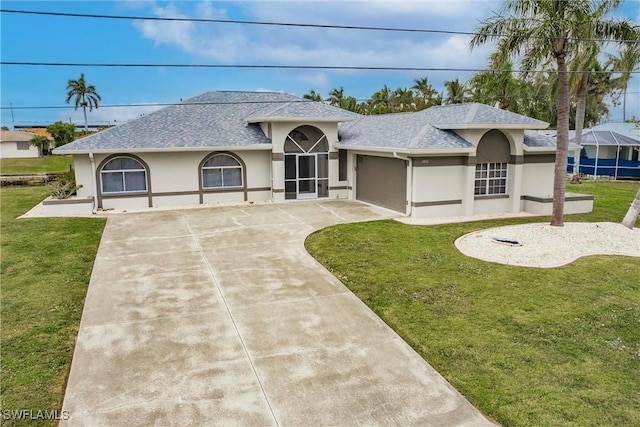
x: 64, y: 186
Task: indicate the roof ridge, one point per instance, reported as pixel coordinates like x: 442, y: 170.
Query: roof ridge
x: 471, y: 114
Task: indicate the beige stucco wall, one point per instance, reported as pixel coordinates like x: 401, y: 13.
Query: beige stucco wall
x: 175, y: 173
x: 486, y: 206
x: 9, y: 150
x: 537, y: 179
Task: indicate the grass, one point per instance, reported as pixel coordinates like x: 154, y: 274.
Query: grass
x: 543, y: 347
x: 46, y: 164
x: 46, y: 266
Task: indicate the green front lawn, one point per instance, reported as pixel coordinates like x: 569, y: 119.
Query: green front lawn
x: 528, y: 347
x: 46, y: 164
x: 46, y: 265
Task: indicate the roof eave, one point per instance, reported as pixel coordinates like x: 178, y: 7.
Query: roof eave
x: 454, y: 126
x: 300, y: 119
x: 538, y: 149
x: 408, y: 150
x: 254, y: 147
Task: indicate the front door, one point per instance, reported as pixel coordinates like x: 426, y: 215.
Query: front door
x: 307, y: 176
x: 306, y: 164
x: 301, y: 177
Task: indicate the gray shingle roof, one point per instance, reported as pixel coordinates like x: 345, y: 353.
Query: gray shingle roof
x: 476, y: 115
x: 301, y: 110
x: 535, y: 139
x: 398, y: 131
x: 210, y: 120
x: 230, y: 119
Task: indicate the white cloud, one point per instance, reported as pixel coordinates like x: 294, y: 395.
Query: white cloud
x: 250, y: 44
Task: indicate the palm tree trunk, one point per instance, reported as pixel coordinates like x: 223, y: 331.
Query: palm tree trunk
x: 580, y: 112
x: 562, y: 140
x: 84, y: 109
x: 632, y: 214
x: 624, y: 105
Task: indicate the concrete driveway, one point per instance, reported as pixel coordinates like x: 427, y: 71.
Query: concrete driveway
x: 218, y: 316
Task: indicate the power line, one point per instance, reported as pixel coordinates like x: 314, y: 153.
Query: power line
x: 281, y: 24
x: 189, y: 103
x: 287, y: 67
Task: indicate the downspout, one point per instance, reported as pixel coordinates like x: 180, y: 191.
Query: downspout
x: 410, y: 172
x: 94, y: 185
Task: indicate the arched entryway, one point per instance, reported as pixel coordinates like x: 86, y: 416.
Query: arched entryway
x: 306, y: 164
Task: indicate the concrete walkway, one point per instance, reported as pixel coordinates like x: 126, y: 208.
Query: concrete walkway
x: 218, y: 316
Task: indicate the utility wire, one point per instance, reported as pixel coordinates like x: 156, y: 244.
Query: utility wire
x: 288, y: 67
x: 282, y: 24
x: 189, y: 103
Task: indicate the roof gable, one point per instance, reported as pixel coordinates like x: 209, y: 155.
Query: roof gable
x: 401, y: 131
x: 302, y: 110
x: 473, y: 115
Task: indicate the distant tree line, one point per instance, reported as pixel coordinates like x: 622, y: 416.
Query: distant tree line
x: 530, y: 94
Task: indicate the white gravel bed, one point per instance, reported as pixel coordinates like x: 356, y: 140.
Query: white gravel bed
x: 545, y: 246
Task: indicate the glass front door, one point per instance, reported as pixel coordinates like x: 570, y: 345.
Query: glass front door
x: 301, y: 178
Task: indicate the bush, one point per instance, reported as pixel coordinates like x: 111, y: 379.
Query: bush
x: 64, y: 186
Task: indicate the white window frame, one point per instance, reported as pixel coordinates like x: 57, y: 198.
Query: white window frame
x: 123, y: 171
x: 221, y: 168
x: 492, y: 178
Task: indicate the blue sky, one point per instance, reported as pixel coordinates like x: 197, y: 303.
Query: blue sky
x: 66, y: 39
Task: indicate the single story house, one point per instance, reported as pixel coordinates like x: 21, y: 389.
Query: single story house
x: 611, y: 149
x: 15, y: 144
x: 230, y: 147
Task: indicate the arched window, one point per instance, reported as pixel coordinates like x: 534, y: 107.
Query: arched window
x: 492, y: 157
x: 123, y: 175
x: 221, y: 171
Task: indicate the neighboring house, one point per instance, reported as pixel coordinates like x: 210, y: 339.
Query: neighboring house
x: 229, y: 147
x: 611, y: 149
x: 15, y: 144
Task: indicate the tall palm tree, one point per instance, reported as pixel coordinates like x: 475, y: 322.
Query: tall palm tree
x: 543, y: 29
x: 85, y: 96
x: 625, y: 63
x: 631, y: 217
x: 456, y: 92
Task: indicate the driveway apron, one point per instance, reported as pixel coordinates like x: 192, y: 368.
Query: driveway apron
x: 218, y: 316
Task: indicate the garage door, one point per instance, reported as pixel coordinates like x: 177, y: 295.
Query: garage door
x: 382, y: 181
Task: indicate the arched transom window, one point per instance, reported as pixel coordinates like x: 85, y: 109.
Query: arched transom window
x: 221, y: 171
x: 123, y: 175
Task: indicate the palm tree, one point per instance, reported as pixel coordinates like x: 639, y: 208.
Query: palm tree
x: 543, y: 29
x: 85, y: 96
x: 456, y: 92
x: 632, y: 214
x: 626, y: 63
x: 336, y: 96
x: 403, y: 99
x: 312, y: 96
x: 426, y: 95
x: 381, y: 101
